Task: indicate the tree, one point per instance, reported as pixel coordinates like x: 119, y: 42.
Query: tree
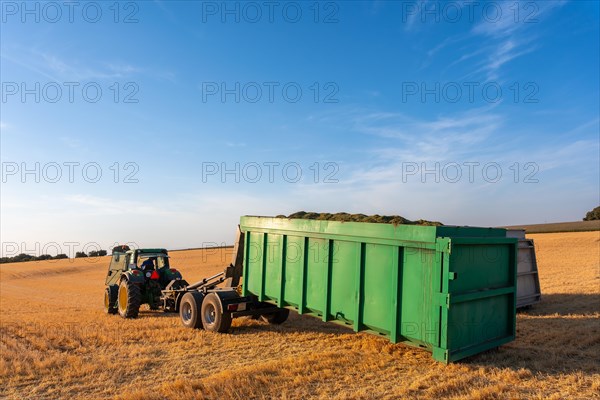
x: 26, y: 257
x: 593, y: 215
x: 80, y: 254
x: 19, y: 258
x: 23, y: 257
x: 97, y: 253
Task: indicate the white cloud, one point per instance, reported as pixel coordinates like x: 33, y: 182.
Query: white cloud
x: 79, y: 72
x: 381, y: 182
x: 512, y: 17
x: 505, y: 31
x: 440, y: 138
x: 511, y: 32
x: 71, y: 142
x: 93, y: 205
x: 235, y: 144
x: 56, y: 68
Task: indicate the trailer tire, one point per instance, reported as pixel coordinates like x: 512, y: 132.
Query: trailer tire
x: 129, y: 299
x: 278, y: 317
x: 213, y: 317
x: 190, y: 309
x: 110, y: 299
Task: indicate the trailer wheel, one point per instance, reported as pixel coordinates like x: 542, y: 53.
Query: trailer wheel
x: 129, y: 299
x: 213, y: 318
x: 278, y: 317
x: 190, y: 308
x: 110, y: 299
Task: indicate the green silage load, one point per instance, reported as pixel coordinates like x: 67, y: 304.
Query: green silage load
x: 346, y: 217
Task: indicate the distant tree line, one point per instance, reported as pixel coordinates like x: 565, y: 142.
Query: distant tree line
x: 27, y: 257
x: 593, y: 215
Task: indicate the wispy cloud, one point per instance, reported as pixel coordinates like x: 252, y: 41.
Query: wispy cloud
x: 591, y: 126
x: 235, y: 144
x: 33, y: 67
x: 71, y: 142
x: 511, y: 33
x: 78, y: 71
x: 56, y: 68
x: 109, y: 206
x: 478, y: 135
x: 376, y: 182
x: 516, y: 16
x: 501, y: 39
x: 411, y: 13
x: 438, y: 138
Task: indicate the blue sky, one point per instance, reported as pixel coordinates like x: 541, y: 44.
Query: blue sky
x: 410, y: 108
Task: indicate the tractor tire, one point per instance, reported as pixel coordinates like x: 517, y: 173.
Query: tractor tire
x: 129, y: 299
x: 110, y: 299
x: 278, y: 317
x: 213, y: 318
x: 190, y: 308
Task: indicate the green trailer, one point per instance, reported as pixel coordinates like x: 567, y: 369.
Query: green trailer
x: 450, y: 290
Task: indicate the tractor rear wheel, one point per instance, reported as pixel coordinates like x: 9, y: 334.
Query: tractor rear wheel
x: 110, y: 299
x: 190, y: 308
x: 213, y: 318
x: 129, y: 299
x: 278, y: 317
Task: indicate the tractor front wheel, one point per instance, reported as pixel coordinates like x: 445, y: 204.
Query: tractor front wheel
x: 213, y: 318
x: 110, y: 299
x: 129, y: 299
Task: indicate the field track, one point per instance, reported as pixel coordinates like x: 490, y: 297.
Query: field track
x: 557, y: 227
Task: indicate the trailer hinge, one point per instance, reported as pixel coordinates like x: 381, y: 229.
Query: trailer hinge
x: 443, y: 300
x: 444, y: 245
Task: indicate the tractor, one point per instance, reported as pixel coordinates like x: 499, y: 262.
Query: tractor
x: 143, y: 276
x: 137, y: 277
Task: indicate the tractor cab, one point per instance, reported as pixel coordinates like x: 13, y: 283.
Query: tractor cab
x: 158, y: 258
x: 154, y: 266
x: 137, y: 277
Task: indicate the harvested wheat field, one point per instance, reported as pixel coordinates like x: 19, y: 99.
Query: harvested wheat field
x: 57, y: 343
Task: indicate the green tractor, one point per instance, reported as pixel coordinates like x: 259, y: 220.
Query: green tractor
x: 143, y: 276
x: 137, y: 277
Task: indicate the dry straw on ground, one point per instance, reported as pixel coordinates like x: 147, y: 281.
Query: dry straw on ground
x: 56, y: 342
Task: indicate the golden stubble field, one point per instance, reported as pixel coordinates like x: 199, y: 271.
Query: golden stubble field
x: 56, y: 342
